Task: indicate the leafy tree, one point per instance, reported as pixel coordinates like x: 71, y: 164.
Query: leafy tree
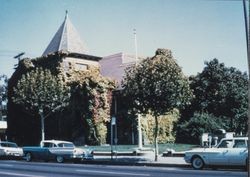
x: 221, y: 91
x: 39, y: 92
x: 157, y: 85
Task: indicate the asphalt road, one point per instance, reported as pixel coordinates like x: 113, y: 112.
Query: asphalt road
x: 10, y: 168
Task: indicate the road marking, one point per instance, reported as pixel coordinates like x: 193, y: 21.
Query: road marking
x: 17, y: 174
x: 6, y: 165
x: 116, y: 173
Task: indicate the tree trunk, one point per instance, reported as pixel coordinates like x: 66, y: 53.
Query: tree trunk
x: 156, y: 138
x: 42, y: 124
x: 1, y: 115
x: 139, y: 132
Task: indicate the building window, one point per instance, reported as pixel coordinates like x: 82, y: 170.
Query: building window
x: 80, y: 66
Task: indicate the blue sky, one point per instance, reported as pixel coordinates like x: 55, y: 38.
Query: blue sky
x: 195, y: 30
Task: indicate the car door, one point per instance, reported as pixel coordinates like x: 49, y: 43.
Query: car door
x: 220, y: 154
x: 218, y: 157
x: 238, y: 153
x: 45, y: 152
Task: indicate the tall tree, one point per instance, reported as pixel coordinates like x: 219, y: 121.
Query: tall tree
x: 219, y: 91
x: 222, y: 91
x: 40, y: 92
x: 157, y: 85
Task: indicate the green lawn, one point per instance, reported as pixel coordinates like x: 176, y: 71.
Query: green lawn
x: 162, y: 147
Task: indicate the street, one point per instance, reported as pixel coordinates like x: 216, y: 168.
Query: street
x: 39, y: 169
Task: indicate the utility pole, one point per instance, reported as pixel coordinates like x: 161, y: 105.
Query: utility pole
x: 248, y: 59
x: 247, y: 29
x: 19, y: 56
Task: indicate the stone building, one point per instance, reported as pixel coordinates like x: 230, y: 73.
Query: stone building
x: 67, y: 52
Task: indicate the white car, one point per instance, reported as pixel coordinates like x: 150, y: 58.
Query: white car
x: 10, y: 150
x: 229, y: 152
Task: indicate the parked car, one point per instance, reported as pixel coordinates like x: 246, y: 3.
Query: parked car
x: 229, y: 152
x: 10, y: 150
x: 57, y: 150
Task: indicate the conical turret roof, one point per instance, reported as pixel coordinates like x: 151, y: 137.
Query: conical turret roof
x: 66, y: 39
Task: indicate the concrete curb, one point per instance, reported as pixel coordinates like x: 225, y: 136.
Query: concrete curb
x: 137, y: 158
x: 134, y: 163
x: 139, y: 153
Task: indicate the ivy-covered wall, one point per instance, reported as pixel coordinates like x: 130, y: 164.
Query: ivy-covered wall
x: 91, y: 100
x: 84, y: 121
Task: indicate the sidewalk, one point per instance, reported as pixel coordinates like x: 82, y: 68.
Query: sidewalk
x: 143, y: 160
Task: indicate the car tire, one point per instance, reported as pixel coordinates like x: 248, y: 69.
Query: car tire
x: 59, y: 159
x: 28, y: 157
x: 197, y: 163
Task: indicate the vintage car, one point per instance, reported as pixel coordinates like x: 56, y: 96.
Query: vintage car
x: 10, y: 150
x: 57, y: 150
x: 229, y: 152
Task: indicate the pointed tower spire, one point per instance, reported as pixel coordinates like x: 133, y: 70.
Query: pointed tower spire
x: 66, y: 39
x: 66, y: 14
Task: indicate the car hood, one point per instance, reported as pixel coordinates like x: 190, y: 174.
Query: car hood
x: 202, y: 150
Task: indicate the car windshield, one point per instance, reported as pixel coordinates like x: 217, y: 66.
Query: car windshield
x: 8, y: 145
x: 65, y: 145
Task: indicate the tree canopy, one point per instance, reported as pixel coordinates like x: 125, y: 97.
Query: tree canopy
x: 39, y: 89
x: 221, y: 91
x: 157, y: 85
